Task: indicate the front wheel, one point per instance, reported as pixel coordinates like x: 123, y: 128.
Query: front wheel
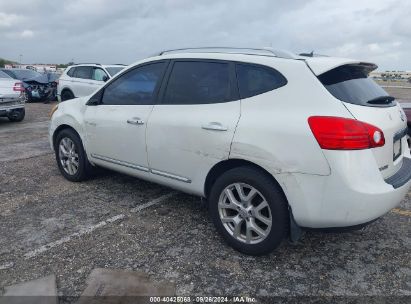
x: 71, y: 157
x: 249, y: 210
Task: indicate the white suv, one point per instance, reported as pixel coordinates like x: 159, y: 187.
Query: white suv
x: 83, y: 79
x: 275, y: 142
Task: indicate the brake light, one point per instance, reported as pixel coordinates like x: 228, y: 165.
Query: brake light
x: 18, y: 87
x: 337, y: 133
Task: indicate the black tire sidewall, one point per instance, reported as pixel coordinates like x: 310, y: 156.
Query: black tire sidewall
x: 275, y: 198
x: 67, y: 95
x: 20, y: 117
x: 81, y: 173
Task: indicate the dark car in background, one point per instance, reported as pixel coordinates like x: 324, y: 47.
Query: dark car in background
x: 407, y: 109
x: 38, y: 86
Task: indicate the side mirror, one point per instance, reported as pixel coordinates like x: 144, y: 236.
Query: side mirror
x: 105, y: 78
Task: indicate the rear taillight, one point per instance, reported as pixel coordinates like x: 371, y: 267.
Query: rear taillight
x: 18, y: 87
x: 337, y: 133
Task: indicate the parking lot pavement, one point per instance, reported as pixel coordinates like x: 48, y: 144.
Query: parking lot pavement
x: 27, y: 138
x: 51, y: 226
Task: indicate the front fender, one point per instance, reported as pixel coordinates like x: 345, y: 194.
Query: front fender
x: 69, y: 114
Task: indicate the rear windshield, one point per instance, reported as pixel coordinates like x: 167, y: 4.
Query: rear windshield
x: 25, y: 74
x: 114, y: 70
x: 350, y: 83
x: 4, y: 75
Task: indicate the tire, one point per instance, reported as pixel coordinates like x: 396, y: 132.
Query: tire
x: 273, y: 219
x: 75, y: 173
x: 17, y: 115
x: 66, y: 95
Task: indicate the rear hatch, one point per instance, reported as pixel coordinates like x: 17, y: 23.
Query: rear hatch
x: 370, y: 103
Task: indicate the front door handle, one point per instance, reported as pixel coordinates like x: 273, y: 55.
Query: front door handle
x: 214, y: 126
x: 135, y: 121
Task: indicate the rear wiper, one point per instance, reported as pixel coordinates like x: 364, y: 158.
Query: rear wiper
x: 381, y: 100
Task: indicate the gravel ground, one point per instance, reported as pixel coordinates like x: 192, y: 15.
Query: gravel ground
x: 399, y: 89
x: 44, y: 221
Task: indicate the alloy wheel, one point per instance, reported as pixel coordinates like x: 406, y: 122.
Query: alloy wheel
x: 68, y: 156
x: 245, y: 213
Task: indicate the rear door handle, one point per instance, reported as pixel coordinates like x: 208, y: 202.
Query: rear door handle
x: 135, y: 121
x: 214, y: 126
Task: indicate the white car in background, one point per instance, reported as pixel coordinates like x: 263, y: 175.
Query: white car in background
x: 83, y: 79
x: 276, y: 142
x: 11, y: 98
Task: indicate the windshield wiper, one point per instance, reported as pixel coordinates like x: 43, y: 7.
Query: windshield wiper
x: 381, y: 100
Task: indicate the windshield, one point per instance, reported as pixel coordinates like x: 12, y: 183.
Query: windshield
x: 25, y: 74
x: 4, y: 75
x: 350, y: 83
x: 114, y: 70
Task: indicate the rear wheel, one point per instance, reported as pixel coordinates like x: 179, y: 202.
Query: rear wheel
x: 66, y: 95
x: 17, y: 115
x: 249, y: 209
x: 71, y: 157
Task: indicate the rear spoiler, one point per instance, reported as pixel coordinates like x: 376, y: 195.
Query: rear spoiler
x: 320, y: 65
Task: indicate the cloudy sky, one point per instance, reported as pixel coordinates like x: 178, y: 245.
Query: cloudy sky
x: 124, y: 31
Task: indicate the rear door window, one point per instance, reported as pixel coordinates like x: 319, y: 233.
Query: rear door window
x: 99, y: 74
x: 350, y: 83
x: 198, y: 82
x: 257, y: 79
x: 83, y: 72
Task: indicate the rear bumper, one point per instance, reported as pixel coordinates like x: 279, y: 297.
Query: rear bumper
x: 354, y: 193
x: 10, y: 105
x: 402, y: 176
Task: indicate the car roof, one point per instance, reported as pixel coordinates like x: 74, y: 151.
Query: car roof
x: 119, y: 65
x: 97, y: 65
x: 17, y: 69
x: 319, y: 64
x: 234, y: 50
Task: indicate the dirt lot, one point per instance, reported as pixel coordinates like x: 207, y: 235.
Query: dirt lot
x: 49, y: 225
x: 399, y: 89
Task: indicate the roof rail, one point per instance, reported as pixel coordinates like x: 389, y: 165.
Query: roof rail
x: 233, y: 50
x: 86, y: 63
x: 117, y: 64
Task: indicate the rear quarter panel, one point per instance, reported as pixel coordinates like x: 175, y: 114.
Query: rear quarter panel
x: 64, y: 83
x: 273, y: 130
